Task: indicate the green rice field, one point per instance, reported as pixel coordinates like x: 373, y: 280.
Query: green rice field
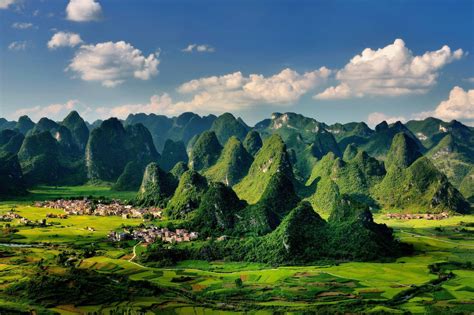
x: 405, y: 285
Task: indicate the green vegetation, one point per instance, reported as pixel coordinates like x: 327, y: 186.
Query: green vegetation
x: 467, y: 186
x: 78, y: 128
x: 232, y: 165
x: 24, y: 124
x: 179, y: 169
x: 187, y: 196
x: 205, y: 151
x: 111, y: 147
x: 11, y: 176
x: 156, y: 188
x: 10, y: 141
x: 266, y: 242
x: 271, y: 158
x: 226, y: 126
x: 80, y: 287
x: 131, y: 177
x: 416, y: 184
x: 177, y: 286
x: 278, y: 198
x: 252, y: 142
x: 217, y: 210
x: 180, y: 128
x: 39, y: 159
x: 173, y: 152
x: 454, y: 157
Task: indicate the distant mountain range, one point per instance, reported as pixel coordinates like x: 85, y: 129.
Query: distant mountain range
x: 418, y: 166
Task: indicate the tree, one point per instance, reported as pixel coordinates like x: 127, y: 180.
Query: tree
x: 239, y: 283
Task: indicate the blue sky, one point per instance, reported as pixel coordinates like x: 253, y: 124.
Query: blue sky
x: 150, y: 72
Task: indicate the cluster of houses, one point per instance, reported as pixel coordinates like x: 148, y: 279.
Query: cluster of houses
x: 57, y: 216
x: 9, y: 216
x: 152, y: 233
x: 426, y: 216
x: 88, y: 207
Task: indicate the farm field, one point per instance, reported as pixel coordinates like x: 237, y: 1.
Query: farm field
x: 201, y: 287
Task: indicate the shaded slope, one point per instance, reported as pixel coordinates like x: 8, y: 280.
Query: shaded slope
x: 205, y: 151
x: 272, y: 158
x: 156, y: 188
x: 232, y: 165
x: 187, y: 196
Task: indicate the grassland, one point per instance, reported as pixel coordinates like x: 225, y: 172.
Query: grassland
x: 202, y: 287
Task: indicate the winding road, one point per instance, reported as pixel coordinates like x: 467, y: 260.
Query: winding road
x: 135, y: 255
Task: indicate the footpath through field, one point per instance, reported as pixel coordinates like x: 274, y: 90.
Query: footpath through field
x: 135, y: 255
x: 437, y: 239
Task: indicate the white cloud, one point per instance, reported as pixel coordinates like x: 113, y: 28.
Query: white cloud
x: 231, y: 92
x: 18, y: 46
x: 470, y: 80
x: 162, y: 104
x: 64, y: 39
x: 199, y: 48
x: 235, y: 91
x: 4, y: 4
x: 53, y: 111
x: 83, y: 10
x: 112, y: 63
x: 459, y: 105
x: 392, y: 70
x: 22, y: 25
x: 375, y: 118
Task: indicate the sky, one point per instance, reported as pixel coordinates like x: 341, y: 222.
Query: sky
x: 335, y: 61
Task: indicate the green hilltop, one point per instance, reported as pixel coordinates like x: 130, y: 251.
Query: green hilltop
x: 187, y: 196
x: 156, y: 188
x: 252, y: 142
x: 232, y: 165
x: 205, y: 151
x: 270, y: 159
x: 414, y: 183
x: 226, y: 126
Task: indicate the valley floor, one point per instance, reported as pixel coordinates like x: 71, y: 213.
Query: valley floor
x: 201, y: 287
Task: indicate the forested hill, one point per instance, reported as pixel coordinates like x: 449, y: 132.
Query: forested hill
x: 322, y: 161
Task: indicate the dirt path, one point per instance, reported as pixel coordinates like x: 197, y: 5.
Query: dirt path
x: 436, y: 239
x: 135, y: 255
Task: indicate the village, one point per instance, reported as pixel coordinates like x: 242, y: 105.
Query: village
x: 89, y: 207
x: 152, y: 233
x: 11, y: 215
x: 425, y: 216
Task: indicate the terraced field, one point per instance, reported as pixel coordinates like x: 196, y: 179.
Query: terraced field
x: 202, y: 287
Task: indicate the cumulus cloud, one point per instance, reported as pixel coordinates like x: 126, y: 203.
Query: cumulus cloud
x: 234, y: 91
x: 112, y: 63
x: 18, y: 46
x: 83, y: 10
x: 375, y: 118
x: 231, y: 92
x: 22, y: 25
x: 64, y: 39
x: 392, y: 70
x: 4, y: 4
x: 53, y: 111
x: 459, y: 106
x: 199, y: 48
x: 162, y: 104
